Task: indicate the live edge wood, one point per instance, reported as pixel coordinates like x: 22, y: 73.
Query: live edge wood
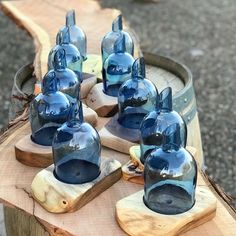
x: 103, y: 104
x: 58, y: 197
x: 136, y: 219
x: 31, y: 154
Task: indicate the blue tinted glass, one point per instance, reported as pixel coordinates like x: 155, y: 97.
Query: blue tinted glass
x: 48, y: 111
x: 117, y: 68
x: 157, y: 121
x: 170, y: 175
x: 73, y: 58
x: 67, y: 80
x: 77, y: 36
x: 76, y: 152
x: 137, y: 97
x: 110, y: 38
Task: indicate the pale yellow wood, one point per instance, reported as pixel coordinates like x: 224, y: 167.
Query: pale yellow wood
x: 58, y: 197
x: 116, y: 143
x: 103, y: 104
x: 138, y: 220
x: 32, y: 154
x: 133, y: 170
x: 89, y: 81
x: 90, y: 115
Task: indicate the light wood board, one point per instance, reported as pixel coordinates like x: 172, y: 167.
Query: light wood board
x: 58, y: 197
x: 15, y: 185
x: 136, y: 219
x: 103, y: 104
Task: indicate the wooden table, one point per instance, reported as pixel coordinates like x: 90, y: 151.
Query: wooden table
x: 23, y: 215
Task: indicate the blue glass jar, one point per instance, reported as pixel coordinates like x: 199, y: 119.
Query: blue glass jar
x: 67, y: 80
x: 136, y: 97
x: 77, y: 35
x: 76, y: 151
x: 73, y: 58
x: 117, y: 68
x: 170, y: 175
x: 48, y: 111
x: 110, y: 38
x: 157, y: 121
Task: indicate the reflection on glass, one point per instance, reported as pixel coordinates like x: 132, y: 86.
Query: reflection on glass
x: 170, y: 175
x: 67, y: 80
x: 76, y: 151
x: 110, y: 38
x: 137, y: 97
x: 117, y: 68
x: 77, y: 35
x: 157, y: 121
x: 48, y: 111
x: 73, y: 58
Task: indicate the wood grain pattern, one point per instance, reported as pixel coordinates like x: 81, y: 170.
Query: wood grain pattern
x: 58, y: 197
x: 15, y: 185
x: 103, y: 104
x: 32, y: 154
x: 138, y: 220
x: 133, y: 170
x: 89, y: 81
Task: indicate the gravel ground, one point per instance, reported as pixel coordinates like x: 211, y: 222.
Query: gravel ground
x: 202, y: 35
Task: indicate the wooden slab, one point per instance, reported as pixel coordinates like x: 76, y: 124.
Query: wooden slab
x: 115, y: 136
x: 133, y: 170
x: 43, y: 19
x: 103, y: 104
x: 58, y: 197
x: 89, y: 80
x: 32, y: 154
x: 15, y: 186
x: 138, y: 220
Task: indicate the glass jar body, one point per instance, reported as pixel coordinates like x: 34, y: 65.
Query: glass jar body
x: 76, y: 153
x: 170, y: 181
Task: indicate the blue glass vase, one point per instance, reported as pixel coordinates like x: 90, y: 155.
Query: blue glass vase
x: 77, y: 35
x: 110, y: 38
x: 73, y: 58
x: 76, y: 151
x: 67, y: 80
x: 117, y: 68
x: 136, y: 97
x: 170, y: 175
x: 157, y: 121
x: 48, y: 111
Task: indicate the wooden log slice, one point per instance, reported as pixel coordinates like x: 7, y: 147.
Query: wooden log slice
x: 136, y: 219
x: 58, y: 197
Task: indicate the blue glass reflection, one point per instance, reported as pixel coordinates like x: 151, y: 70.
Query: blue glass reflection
x: 157, y: 121
x: 76, y: 151
x: 77, y: 35
x: 137, y: 97
x: 73, y: 58
x: 67, y: 80
x: 110, y: 38
x: 170, y: 175
x: 48, y: 111
x: 117, y: 68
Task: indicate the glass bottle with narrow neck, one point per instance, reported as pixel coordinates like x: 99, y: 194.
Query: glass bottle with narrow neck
x: 110, y: 38
x: 136, y: 97
x: 73, y: 57
x: 117, y: 68
x: 76, y: 151
x: 157, y: 121
x: 170, y: 175
x: 48, y: 111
